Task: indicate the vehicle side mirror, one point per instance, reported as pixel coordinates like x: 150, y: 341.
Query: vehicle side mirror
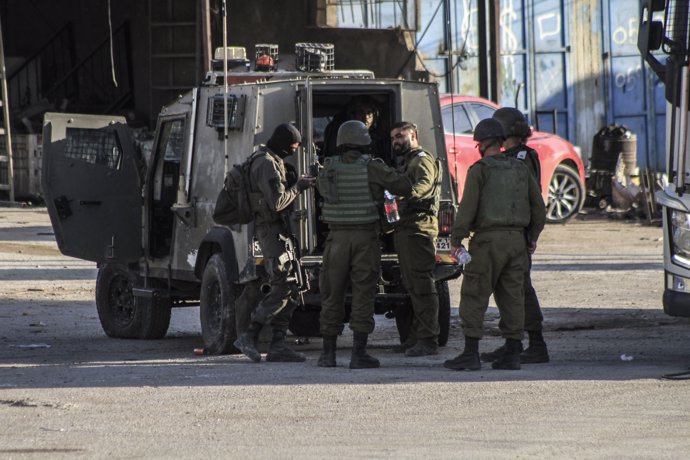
x: 650, y: 36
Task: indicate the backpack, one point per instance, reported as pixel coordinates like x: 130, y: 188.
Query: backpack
x: 233, y: 205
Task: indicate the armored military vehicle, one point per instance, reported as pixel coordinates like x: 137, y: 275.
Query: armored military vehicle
x: 145, y: 219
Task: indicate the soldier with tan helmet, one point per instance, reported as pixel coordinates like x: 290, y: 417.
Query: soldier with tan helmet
x: 352, y: 185
x: 517, y: 131
x: 501, y: 204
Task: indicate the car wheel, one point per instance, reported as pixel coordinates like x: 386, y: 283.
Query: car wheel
x: 566, y: 194
x: 123, y: 315
x: 217, y: 308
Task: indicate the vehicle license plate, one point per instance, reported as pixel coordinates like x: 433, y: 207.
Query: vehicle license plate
x: 443, y: 244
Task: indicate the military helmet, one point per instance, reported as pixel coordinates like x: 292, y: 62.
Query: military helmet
x: 488, y: 128
x: 353, y: 132
x: 513, y: 121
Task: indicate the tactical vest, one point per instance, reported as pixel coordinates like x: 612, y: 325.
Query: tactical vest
x: 345, y: 190
x: 504, y: 200
x: 530, y: 157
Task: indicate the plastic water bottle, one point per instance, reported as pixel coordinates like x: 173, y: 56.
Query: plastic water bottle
x: 464, y: 256
x: 391, y: 207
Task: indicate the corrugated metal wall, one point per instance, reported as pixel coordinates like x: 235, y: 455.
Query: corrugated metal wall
x: 573, y: 67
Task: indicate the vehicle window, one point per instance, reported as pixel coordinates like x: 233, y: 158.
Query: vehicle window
x: 172, y: 139
x: 99, y: 147
x: 455, y: 120
x: 482, y: 111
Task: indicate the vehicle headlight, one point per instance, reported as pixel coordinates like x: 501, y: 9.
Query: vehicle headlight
x: 680, y: 233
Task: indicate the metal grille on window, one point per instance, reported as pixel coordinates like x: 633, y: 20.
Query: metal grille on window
x: 95, y: 147
x: 677, y: 34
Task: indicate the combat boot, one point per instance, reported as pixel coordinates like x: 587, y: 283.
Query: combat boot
x: 423, y: 347
x: 465, y: 361
x: 536, y: 352
x: 491, y: 356
x: 360, y: 358
x: 468, y: 360
x: 247, y: 342
x: 406, y: 345
x: 279, y: 352
x: 510, y: 359
x: 327, y: 358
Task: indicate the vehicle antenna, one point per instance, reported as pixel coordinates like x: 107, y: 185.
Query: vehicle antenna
x: 451, y: 83
x: 225, y: 85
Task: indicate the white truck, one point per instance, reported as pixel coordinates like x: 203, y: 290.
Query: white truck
x: 664, y: 43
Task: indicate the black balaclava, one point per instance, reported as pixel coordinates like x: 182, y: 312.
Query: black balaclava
x: 282, y: 138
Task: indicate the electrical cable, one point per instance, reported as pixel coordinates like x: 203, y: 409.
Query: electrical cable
x: 110, y: 35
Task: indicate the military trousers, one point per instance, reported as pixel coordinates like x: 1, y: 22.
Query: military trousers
x: 274, y: 309
x: 533, y: 315
x: 417, y: 257
x: 498, y: 266
x: 350, y: 257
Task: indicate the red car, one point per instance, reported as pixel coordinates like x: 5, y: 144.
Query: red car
x: 562, y: 170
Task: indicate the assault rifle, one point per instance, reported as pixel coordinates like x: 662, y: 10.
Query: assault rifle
x: 299, y: 275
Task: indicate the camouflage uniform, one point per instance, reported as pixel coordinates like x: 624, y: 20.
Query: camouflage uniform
x: 415, y: 242
x: 267, y: 176
x: 269, y: 194
x: 353, y: 255
x: 501, y: 203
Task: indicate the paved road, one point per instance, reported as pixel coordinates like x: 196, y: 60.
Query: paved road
x: 67, y: 391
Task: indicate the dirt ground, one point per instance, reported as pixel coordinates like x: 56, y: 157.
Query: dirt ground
x: 66, y: 390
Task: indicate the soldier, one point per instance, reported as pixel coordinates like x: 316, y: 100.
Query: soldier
x: 352, y: 186
x: 269, y: 197
x: 517, y: 131
x: 415, y: 239
x: 500, y: 204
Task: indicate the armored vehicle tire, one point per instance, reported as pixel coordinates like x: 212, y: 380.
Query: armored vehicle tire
x: 403, y: 315
x: 443, y: 312
x: 217, y: 308
x: 123, y: 315
x: 566, y: 195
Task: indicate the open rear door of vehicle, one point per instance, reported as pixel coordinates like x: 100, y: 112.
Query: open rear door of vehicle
x: 92, y: 185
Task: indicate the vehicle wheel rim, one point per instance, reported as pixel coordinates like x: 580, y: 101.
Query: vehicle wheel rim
x: 564, y: 197
x: 121, y: 301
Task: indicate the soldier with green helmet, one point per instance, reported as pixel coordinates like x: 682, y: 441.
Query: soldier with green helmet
x: 415, y: 238
x: 503, y: 210
x: 517, y: 130
x: 352, y: 185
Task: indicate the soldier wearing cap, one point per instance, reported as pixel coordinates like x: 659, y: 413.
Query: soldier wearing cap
x: 517, y: 130
x: 503, y: 210
x: 415, y: 239
x: 352, y: 185
x: 269, y: 182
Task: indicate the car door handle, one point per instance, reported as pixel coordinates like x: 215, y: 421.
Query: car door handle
x: 90, y: 203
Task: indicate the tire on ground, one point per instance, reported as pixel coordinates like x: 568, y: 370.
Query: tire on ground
x: 217, y: 308
x: 566, y: 195
x: 123, y: 315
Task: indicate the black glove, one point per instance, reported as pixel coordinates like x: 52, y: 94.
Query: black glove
x: 305, y: 182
